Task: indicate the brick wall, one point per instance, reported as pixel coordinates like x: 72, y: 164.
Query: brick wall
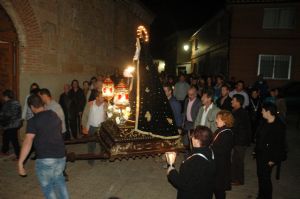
x: 63, y: 40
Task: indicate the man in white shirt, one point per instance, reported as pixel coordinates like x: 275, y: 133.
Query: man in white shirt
x: 208, y: 111
x: 93, y: 115
x: 239, y: 89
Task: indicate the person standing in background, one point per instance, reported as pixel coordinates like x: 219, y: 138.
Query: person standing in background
x: 10, y: 120
x: 242, y: 139
x: 65, y: 102
x: 76, y: 107
x: 181, y: 89
x: 27, y: 113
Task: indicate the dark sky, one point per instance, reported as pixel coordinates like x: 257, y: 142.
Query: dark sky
x: 175, y: 15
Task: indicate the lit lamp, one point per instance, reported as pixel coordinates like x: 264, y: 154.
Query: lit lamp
x: 121, y: 103
x: 121, y: 99
x: 186, y: 47
x: 171, y: 156
x: 128, y: 71
x: 108, y: 89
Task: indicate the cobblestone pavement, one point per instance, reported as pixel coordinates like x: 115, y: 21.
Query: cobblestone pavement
x: 143, y: 178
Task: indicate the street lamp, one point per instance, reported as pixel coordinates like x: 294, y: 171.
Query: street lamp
x: 186, y: 47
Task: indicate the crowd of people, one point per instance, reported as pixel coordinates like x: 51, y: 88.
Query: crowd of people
x: 218, y: 120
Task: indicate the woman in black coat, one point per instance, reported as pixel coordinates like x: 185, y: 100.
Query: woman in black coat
x: 270, y: 148
x: 222, y: 145
x: 196, y: 176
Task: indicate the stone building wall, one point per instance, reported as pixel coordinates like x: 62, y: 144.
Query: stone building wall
x: 61, y: 40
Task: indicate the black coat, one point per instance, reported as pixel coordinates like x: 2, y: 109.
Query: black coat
x: 242, y: 127
x: 196, y: 176
x: 226, y: 104
x: 10, y: 115
x: 77, y: 104
x: 222, y: 146
x: 271, y: 141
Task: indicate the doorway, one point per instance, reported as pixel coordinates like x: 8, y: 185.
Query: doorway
x: 9, y: 73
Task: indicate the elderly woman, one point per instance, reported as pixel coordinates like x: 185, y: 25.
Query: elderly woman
x: 222, y: 145
x: 196, y: 175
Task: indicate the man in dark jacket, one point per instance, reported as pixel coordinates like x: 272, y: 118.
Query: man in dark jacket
x: 242, y: 133
x: 76, y: 107
x: 196, y: 177
x: 10, y: 120
x: 65, y: 102
x: 175, y: 105
x: 191, y: 108
x: 270, y: 148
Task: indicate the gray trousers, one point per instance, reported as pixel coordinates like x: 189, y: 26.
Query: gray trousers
x: 92, y: 145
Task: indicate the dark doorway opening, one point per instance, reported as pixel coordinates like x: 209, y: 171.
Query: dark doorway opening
x: 9, y: 72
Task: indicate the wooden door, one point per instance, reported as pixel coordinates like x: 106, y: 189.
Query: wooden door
x: 8, y: 71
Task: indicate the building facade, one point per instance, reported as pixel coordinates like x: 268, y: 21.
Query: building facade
x: 53, y: 42
x: 177, y: 48
x: 250, y: 38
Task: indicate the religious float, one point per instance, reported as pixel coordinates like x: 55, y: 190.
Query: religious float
x: 140, y: 120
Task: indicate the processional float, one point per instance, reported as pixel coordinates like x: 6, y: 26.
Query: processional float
x: 140, y: 120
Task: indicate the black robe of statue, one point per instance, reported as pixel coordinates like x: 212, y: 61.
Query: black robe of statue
x: 151, y: 110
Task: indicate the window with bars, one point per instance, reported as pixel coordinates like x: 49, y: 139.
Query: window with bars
x: 275, y: 66
x: 279, y: 18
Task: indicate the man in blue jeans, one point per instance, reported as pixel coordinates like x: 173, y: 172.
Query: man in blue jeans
x: 44, y: 131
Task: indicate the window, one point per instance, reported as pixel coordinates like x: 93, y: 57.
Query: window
x: 196, y: 44
x: 275, y: 66
x: 279, y: 18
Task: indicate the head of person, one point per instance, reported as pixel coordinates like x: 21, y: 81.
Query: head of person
x: 224, y: 118
x: 209, y: 80
x: 239, y: 86
x: 194, y: 81
x: 181, y: 77
x: 33, y: 86
x: 192, y: 93
x: 260, y: 78
x: 201, y: 136
x: 35, y: 103
x: 201, y: 81
x: 85, y: 85
x: 66, y: 88
x: 207, y: 97
x: 273, y: 92
x: 45, y: 95
x: 237, y: 101
x: 75, y: 84
x: 269, y: 110
x: 225, y: 89
x: 255, y: 93
x: 99, y: 97
x: 170, y: 79
x: 168, y: 90
x: 93, y: 80
x: 219, y: 79
x: 8, y: 95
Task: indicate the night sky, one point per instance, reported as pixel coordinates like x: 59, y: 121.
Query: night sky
x: 176, y: 15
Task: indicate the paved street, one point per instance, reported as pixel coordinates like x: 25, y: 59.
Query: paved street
x: 143, y: 178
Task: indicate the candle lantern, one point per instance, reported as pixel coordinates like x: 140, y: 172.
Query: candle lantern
x: 121, y: 99
x: 108, y: 89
